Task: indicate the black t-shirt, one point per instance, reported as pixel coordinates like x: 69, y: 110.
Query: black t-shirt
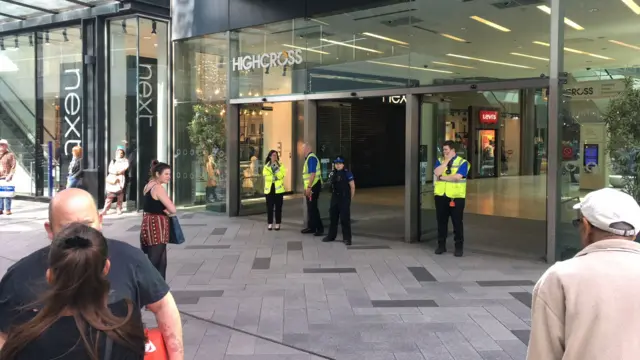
x: 62, y: 341
x: 131, y: 276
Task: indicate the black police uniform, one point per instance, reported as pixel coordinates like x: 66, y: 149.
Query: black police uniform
x: 340, y: 204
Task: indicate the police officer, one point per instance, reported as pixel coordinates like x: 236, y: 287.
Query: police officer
x: 343, y: 188
x: 450, y: 190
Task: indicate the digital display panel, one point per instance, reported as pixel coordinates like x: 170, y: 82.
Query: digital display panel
x: 591, y: 152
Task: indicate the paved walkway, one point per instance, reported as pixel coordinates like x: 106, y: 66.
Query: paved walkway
x: 257, y: 294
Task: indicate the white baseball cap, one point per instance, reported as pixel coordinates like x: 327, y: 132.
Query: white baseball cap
x: 607, y: 208
x: 4, y: 142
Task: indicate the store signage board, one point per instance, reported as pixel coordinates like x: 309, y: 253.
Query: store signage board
x: 268, y: 60
x: 488, y: 117
x: 594, y: 89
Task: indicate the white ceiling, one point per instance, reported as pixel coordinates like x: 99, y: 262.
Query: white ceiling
x: 602, y: 20
x: 52, y: 5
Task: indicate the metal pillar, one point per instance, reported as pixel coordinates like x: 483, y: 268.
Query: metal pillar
x: 39, y: 140
x: 412, y: 170
x: 233, y: 160
x: 555, y: 102
x: 310, y: 135
x: 527, y: 131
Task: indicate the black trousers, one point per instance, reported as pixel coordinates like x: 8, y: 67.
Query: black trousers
x: 340, y: 208
x: 314, y: 220
x: 274, y: 203
x: 157, y: 254
x: 443, y: 212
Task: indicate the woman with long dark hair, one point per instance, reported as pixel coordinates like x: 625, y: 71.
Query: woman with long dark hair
x: 157, y: 206
x: 274, y: 173
x: 75, y: 321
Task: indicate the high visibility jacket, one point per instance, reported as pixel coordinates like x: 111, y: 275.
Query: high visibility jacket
x: 305, y: 171
x: 452, y: 189
x: 276, y: 178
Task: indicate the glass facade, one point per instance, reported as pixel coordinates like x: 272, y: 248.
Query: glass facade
x: 598, y: 141
x: 200, y: 122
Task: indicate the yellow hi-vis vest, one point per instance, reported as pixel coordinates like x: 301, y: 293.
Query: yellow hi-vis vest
x: 452, y: 189
x: 305, y: 171
x: 271, y: 178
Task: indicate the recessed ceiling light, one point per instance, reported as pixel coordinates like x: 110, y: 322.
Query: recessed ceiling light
x: 454, y: 65
x: 575, y: 51
x: 453, y: 37
x: 530, y: 56
x: 633, y: 6
x: 351, y: 46
x: 567, y: 21
x: 409, y: 67
x: 624, y: 44
x: 490, y: 61
x: 385, y: 38
x: 594, y: 10
x: 489, y: 23
x: 306, y: 49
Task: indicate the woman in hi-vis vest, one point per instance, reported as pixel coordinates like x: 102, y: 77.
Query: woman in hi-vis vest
x: 274, y: 173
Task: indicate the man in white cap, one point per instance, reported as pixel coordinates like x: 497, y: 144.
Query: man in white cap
x: 588, y: 307
x: 7, y: 171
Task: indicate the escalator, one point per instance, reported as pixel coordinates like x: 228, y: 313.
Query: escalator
x: 15, y: 117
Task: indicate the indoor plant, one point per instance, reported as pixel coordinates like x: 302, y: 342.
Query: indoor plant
x: 622, y: 118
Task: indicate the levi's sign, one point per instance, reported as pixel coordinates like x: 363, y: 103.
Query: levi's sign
x: 268, y: 60
x: 488, y: 117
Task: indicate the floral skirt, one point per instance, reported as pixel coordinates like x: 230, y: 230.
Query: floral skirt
x: 154, y: 229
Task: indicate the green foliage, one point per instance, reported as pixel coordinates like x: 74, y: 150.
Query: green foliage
x: 623, y: 127
x: 207, y: 129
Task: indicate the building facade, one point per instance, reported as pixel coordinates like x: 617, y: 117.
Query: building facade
x: 522, y: 89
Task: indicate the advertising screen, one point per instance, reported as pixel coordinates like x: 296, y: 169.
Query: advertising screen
x: 590, y: 154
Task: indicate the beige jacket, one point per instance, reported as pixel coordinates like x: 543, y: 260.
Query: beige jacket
x: 588, y: 307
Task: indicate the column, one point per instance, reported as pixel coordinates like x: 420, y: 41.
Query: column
x: 310, y: 135
x: 555, y: 126
x: 412, y: 170
x: 527, y: 130
x: 233, y: 130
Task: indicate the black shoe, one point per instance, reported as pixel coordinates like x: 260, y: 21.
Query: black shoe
x: 327, y: 239
x: 347, y: 242
x: 458, y: 252
x: 308, y: 231
x: 442, y: 248
x: 319, y: 233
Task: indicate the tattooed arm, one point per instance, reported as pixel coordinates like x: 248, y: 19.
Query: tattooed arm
x: 170, y: 325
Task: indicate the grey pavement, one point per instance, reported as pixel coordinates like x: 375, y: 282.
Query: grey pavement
x: 248, y: 293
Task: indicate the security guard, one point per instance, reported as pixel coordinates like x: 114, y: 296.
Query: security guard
x: 450, y: 190
x: 343, y: 188
x: 312, y: 180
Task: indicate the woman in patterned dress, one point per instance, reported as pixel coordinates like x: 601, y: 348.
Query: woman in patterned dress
x: 157, y: 206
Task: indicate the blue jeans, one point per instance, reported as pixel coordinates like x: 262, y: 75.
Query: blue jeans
x: 72, y: 182
x: 4, y: 201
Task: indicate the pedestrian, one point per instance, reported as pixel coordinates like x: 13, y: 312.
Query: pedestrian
x: 343, y: 189
x: 115, y: 181
x: 76, y: 321
x: 7, y: 171
x: 274, y: 173
x: 157, y: 207
x: 587, y: 308
x: 75, y: 168
x: 131, y: 275
x: 450, y: 191
x: 312, y: 181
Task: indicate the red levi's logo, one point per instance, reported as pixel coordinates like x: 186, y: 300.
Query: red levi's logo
x: 488, y: 117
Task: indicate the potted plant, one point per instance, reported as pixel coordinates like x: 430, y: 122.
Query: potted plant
x: 622, y: 119
x: 207, y: 132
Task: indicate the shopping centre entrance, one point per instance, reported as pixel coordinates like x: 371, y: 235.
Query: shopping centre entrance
x: 503, y: 134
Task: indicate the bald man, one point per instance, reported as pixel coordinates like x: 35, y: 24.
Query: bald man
x: 132, y: 276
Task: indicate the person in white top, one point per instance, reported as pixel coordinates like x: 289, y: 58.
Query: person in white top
x: 588, y: 307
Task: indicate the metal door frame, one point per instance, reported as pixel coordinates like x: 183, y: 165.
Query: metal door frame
x: 413, y: 97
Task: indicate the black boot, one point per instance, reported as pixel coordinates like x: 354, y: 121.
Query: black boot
x: 347, y: 242
x: 327, y: 239
x: 458, y: 252
x: 442, y: 247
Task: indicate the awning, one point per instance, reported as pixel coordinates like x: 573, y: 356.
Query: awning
x: 16, y: 10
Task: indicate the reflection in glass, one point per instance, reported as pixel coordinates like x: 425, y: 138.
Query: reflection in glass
x: 18, y: 106
x: 200, y: 173
x: 62, y: 100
